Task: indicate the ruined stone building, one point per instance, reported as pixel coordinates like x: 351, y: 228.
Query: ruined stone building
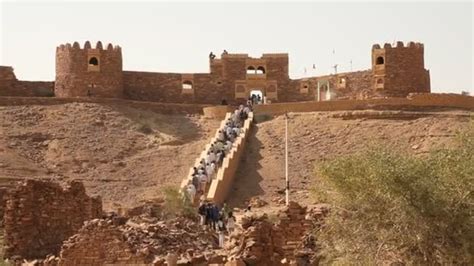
x: 98, y: 72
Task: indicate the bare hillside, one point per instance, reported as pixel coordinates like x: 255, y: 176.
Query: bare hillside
x: 121, y: 153
x: 315, y: 137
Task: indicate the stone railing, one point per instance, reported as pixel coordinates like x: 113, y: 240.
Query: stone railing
x: 221, y: 184
x: 189, y: 178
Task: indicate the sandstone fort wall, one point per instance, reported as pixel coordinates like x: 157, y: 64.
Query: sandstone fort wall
x: 413, y: 102
x: 95, y: 72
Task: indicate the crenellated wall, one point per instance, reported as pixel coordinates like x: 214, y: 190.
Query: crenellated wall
x: 97, y: 72
x: 87, y: 71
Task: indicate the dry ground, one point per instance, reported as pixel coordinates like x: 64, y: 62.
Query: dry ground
x: 123, y: 154
x: 127, y: 155
x: 315, y: 137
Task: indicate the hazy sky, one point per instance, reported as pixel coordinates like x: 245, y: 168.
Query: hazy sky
x: 177, y: 37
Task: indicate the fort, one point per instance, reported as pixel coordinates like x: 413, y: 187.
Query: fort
x: 98, y: 72
x: 127, y: 137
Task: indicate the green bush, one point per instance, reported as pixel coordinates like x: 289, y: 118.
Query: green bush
x: 391, y: 206
x: 176, y: 204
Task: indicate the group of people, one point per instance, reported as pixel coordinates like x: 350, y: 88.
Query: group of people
x: 255, y: 99
x: 206, y: 170
x: 212, y: 55
x: 220, y: 220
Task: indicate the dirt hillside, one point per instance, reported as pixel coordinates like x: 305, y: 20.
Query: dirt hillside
x: 121, y: 153
x: 315, y: 137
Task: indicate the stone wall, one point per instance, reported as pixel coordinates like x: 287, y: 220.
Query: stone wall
x: 263, y: 243
x: 222, y: 183
x: 40, y: 215
x: 423, y: 101
x: 10, y: 86
x: 189, y: 178
x: 168, y: 87
x: 401, y: 70
x: 99, y: 242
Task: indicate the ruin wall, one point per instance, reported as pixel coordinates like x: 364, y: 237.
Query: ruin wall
x: 11, y: 86
x: 97, y: 243
x: 40, y: 215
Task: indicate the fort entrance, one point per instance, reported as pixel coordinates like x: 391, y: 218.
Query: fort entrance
x: 258, y: 93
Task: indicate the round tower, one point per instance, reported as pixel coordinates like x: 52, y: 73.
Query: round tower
x: 88, y: 72
x: 399, y: 70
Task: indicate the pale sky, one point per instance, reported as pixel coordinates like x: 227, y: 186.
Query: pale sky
x: 177, y: 37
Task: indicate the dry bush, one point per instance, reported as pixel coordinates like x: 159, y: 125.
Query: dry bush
x: 176, y: 204
x: 391, y: 206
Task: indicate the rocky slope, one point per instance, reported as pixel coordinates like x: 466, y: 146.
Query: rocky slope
x: 123, y: 154
x: 315, y: 137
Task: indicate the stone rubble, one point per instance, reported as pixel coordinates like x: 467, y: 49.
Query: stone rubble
x: 288, y: 241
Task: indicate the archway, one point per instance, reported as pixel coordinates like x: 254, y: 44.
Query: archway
x: 258, y: 98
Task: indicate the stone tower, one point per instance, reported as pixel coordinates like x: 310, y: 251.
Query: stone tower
x: 398, y: 71
x: 88, y: 72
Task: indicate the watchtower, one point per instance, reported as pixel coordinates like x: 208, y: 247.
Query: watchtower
x: 88, y: 72
x: 399, y: 70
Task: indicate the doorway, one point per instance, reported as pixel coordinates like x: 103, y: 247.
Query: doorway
x: 257, y: 96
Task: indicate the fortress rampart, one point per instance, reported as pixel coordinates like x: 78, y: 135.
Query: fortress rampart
x: 97, y: 72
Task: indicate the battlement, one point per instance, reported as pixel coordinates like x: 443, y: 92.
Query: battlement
x: 87, y: 46
x: 399, y: 45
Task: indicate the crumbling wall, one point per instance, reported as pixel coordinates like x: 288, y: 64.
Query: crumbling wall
x: 40, y: 215
x: 11, y: 86
x: 263, y: 243
x: 99, y: 242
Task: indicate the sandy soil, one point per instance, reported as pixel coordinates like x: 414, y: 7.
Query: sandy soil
x: 315, y: 137
x: 123, y: 154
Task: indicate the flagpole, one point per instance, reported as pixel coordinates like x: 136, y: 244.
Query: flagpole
x: 287, y: 190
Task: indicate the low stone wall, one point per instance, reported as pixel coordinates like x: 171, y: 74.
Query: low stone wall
x: 99, y: 242
x: 40, y: 215
x: 217, y: 112
x: 189, y: 178
x: 165, y: 108
x: 222, y: 183
x: 422, y: 101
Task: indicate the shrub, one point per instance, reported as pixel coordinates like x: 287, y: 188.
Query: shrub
x: 390, y: 206
x: 176, y: 204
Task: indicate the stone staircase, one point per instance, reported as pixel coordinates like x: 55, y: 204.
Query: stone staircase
x: 222, y: 181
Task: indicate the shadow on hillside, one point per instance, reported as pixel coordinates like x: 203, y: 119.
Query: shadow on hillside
x: 247, y: 179
x: 179, y: 126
